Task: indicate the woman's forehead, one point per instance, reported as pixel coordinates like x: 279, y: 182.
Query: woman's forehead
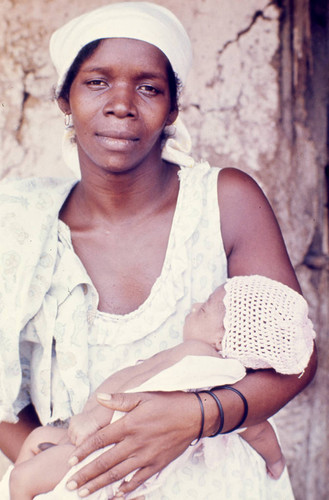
x: 128, y: 51
x: 144, y: 21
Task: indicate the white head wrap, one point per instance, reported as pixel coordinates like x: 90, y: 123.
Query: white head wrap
x: 143, y: 21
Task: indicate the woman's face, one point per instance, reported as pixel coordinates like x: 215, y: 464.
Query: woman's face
x: 120, y: 103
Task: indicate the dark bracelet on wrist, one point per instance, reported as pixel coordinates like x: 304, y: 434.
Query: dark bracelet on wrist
x: 195, y: 441
x: 220, y: 410
x: 244, y: 401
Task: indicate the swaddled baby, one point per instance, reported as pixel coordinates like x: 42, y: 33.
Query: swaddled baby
x: 249, y: 322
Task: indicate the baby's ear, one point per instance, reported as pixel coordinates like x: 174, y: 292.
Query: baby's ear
x: 219, y: 343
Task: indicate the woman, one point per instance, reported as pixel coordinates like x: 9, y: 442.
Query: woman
x: 113, y: 263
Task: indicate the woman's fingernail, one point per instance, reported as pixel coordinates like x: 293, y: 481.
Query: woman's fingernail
x: 72, y: 485
x: 104, y: 396
x: 73, y: 461
x: 84, y: 492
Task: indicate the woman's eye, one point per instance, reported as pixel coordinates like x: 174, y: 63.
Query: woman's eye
x: 149, y: 89
x: 96, y: 83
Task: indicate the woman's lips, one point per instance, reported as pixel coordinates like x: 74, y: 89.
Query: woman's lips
x: 117, y: 141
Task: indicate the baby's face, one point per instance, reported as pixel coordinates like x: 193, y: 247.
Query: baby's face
x: 205, y: 321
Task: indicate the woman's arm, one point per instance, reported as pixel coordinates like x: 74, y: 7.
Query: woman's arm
x: 254, y: 245
x: 12, y: 436
x: 158, y: 427
x: 252, y: 238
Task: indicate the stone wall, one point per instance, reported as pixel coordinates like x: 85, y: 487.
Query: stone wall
x: 246, y: 106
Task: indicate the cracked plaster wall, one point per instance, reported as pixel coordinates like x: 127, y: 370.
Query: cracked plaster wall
x: 233, y: 107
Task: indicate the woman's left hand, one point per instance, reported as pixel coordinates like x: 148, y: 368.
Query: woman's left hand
x: 157, y: 428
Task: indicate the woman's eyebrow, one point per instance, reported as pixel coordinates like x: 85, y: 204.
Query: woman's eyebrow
x: 96, y: 69
x: 152, y: 75
x: 155, y: 75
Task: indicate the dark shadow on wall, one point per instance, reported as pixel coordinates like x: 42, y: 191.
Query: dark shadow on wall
x: 317, y: 100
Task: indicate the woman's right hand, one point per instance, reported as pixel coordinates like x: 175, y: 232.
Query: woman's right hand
x: 157, y: 428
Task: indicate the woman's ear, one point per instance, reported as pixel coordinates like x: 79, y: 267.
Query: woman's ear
x: 172, y: 117
x: 64, y: 105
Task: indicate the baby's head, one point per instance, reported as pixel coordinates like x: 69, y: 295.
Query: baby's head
x: 257, y: 320
x: 205, y: 321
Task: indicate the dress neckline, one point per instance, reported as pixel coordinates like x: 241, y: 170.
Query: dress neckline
x: 169, y: 288
x: 65, y: 231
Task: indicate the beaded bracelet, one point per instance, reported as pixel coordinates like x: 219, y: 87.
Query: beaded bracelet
x: 220, y: 410
x: 244, y: 401
x: 202, y: 420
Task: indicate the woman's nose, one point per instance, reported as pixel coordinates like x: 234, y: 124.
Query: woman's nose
x: 120, y: 102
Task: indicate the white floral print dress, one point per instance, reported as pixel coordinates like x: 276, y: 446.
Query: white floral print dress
x: 66, y: 347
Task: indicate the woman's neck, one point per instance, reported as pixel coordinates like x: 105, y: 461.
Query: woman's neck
x: 101, y: 199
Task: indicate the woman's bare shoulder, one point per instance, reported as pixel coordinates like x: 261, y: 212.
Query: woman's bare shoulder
x: 242, y: 204
x: 251, y: 234
x: 234, y: 182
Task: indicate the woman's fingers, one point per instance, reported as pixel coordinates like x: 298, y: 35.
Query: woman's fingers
x: 150, y: 435
x: 110, y: 434
x: 121, y: 401
x: 81, y: 480
x: 137, y: 480
x: 112, y: 463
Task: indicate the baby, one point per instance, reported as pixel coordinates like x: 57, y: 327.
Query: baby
x: 239, y: 320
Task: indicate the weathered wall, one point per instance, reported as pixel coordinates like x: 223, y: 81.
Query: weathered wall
x: 245, y: 106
